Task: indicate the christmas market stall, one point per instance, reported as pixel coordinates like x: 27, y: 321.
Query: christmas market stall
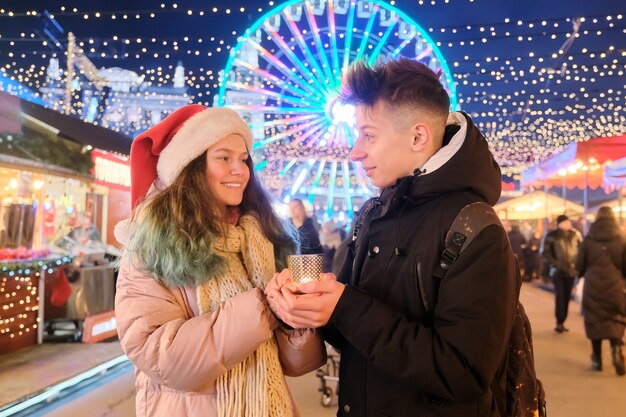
x: 55, y: 193
x: 22, y: 276
x: 615, y: 175
x: 579, y: 164
x: 537, y: 205
x: 614, y: 180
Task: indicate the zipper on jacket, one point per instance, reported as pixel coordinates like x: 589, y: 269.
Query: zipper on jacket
x: 422, y: 288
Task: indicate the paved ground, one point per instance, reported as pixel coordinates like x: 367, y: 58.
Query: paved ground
x: 562, y: 360
x: 34, y: 368
x: 116, y: 399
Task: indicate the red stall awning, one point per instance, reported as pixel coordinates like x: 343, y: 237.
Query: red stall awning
x: 580, y: 164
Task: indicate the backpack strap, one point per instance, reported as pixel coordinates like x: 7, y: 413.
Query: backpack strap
x: 471, y: 220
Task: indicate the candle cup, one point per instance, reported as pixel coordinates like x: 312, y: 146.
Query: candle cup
x: 305, y: 268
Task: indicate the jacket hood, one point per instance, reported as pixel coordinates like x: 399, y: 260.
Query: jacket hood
x: 464, y: 163
x: 604, y: 230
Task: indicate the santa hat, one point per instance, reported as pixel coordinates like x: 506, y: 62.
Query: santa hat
x: 165, y: 149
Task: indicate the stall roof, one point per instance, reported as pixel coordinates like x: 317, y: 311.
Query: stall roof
x: 537, y: 205
x: 78, y: 130
x: 580, y: 164
x: 615, y: 175
x: 15, y: 162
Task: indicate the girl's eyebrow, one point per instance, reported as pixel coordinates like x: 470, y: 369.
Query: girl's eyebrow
x: 230, y: 151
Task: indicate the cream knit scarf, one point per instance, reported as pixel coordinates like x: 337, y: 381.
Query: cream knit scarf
x: 255, y: 387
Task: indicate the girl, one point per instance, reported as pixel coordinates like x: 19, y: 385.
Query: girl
x: 201, y: 246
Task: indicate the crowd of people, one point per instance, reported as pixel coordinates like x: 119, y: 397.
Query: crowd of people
x: 562, y: 257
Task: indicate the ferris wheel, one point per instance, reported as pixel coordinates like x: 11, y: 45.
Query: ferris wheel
x: 284, y: 76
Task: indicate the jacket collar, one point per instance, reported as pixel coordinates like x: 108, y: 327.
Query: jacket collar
x: 446, y: 152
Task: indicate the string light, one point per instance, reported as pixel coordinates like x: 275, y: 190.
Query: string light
x: 539, y: 78
x: 19, y: 297
x: 164, y: 10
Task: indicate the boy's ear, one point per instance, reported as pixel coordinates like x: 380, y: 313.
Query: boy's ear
x: 421, y: 136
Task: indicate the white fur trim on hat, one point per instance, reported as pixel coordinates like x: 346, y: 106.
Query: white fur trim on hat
x: 201, y: 131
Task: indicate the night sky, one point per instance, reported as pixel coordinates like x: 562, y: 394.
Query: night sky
x: 503, y: 83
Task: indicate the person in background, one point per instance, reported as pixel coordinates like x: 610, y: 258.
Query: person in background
x: 532, y: 257
x: 560, y: 249
x: 199, y: 249
x: 340, y: 255
x: 518, y: 244
x: 602, y: 261
x: 330, y: 239
x: 579, y: 225
x: 309, y: 237
x: 527, y: 230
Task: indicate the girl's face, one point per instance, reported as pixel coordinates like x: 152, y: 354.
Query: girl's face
x: 226, y: 170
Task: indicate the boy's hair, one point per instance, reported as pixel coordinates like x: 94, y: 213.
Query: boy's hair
x: 400, y: 82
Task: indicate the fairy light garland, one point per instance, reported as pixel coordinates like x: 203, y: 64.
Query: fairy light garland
x: 573, y: 76
x: 19, y: 297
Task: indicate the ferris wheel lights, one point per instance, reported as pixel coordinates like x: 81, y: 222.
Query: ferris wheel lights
x: 290, y: 72
x: 294, y: 11
x: 342, y: 6
x: 318, y: 6
x: 364, y: 9
x: 387, y: 17
x: 343, y: 113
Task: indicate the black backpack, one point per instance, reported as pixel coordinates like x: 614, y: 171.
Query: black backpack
x: 524, y: 396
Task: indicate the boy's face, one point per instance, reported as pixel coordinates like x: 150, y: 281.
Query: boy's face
x: 384, y: 145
